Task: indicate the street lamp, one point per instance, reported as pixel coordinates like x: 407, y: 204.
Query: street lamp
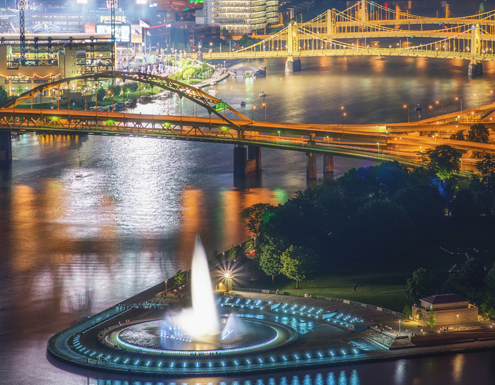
x: 252, y: 113
x: 457, y: 320
x: 264, y: 106
x: 343, y: 116
x: 432, y: 110
x: 228, y: 277
x: 441, y: 105
x: 166, y: 289
x: 407, y: 107
x: 460, y: 100
x: 399, y: 325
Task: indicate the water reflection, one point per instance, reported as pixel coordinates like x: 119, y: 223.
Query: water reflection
x: 88, y: 221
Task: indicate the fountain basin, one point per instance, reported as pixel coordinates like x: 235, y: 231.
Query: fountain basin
x: 146, y: 338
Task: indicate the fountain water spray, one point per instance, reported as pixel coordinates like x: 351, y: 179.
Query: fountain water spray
x: 201, y: 322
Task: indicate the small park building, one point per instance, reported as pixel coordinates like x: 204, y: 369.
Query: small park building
x: 450, y: 310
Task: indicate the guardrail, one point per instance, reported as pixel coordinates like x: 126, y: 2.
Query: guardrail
x: 346, y: 301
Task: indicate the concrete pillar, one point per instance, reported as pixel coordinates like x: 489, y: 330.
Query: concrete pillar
x: 328, y: 165
x: 311, y: 173
x: 475, y: 69
x: 253, y: 159
x: 5, y: 147
x: 240, y: 160
x: 292, y: 65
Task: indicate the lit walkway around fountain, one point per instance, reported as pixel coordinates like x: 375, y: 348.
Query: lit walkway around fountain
x: 243, y: 332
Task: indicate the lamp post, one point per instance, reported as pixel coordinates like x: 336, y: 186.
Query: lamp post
x: 228, y: 277
x: 441, y: 105
x: 343, y: 116
x: 457, y: 320
x: 166, y: 289
x: 252, y: 114
x: 460, y: 100
x: 407, y: 108
x: 264, y: 106
x: 432, y: 110
x: 399, y: 325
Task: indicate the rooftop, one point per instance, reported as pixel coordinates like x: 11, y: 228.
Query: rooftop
x: 444, y: 298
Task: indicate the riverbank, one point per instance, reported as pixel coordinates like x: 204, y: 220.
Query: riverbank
x: 332, y: 333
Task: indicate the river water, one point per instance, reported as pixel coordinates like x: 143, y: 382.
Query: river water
x: 88, y: 222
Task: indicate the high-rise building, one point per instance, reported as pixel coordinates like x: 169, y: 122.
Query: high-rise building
x: 241, y: 16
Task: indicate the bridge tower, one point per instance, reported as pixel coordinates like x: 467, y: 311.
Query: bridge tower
x: 292, y: 64
x: 475, y: 67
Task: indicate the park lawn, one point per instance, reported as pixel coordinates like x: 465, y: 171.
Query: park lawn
x: 383, y: 284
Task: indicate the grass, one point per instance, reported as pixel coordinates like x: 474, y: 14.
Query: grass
x: 383, y: 284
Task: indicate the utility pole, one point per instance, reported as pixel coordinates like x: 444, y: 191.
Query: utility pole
x: 21, y: 6
x: 112, y: 5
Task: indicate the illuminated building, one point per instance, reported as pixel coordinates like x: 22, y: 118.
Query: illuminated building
x: 241, y: 16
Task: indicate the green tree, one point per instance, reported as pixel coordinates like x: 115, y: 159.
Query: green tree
x: 299, y: 263
x: 406, y: 311
x: 188, y: 73
x: 486, y: 167
x: 478, y: 133
x: 100, y: 94
x: 422, y: 284
x: 117, y: 90
x: 465, y: 206
x: 472, y: 276
x: 444, y: 160
x: 270, y: 261
x: 180, y: 278
x: 226, y: 35
x: 3, y: 95
x: 425, y: 207
x: 384, y: 229
x: 256, y: 216
x: 419, y: 315
x: 490, y: 282
x: 459, y: 135
x: 432, y: 320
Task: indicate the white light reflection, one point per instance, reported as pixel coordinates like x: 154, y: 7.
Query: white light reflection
x: 400, y: 372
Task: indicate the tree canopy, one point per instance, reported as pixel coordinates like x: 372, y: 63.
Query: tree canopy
x: 299, y: 263
x: 256, y: 216
x: 422, y: 284
x: 478, y: 133
x: 270, y: 261
x: 444, y: 160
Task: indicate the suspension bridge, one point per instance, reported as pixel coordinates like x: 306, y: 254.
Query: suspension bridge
x: 403, y: 142
x: 352, y: 32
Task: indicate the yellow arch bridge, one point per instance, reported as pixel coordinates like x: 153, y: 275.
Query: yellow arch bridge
x: 403, y: 142
x: 353, y: 32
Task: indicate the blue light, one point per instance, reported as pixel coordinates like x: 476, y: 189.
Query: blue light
x: 125, y: 362
x: 137, y: 362
x: 332, y: 353
x: 343, y: 352
x: 184, y: 365
x: 271, y: 358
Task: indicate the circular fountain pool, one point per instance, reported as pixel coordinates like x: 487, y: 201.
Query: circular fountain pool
x: 147, y: 337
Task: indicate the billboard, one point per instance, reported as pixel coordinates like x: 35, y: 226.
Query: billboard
x: 89, y: 28
x: 136, y: 34
x: 122, y: 32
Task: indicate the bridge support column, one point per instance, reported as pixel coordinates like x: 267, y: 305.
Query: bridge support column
x: 475, y: 69
x: 253, y: 159
x: 311, y: 173
x: 240, y: 160
x: 328, y: 165
x: 292, y: 65
x: 246, y: 160
x: 5, y: 148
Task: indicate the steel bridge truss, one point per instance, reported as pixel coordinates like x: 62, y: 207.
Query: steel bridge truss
x: 469, y: 38
x: 197, y: 96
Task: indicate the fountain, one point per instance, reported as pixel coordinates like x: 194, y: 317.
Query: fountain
x: 201, y: 322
